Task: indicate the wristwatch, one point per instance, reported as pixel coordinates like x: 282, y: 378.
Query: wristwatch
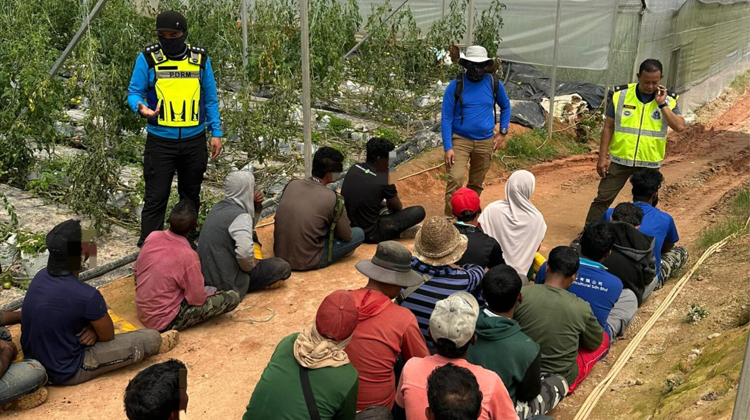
x: 662, y: 105
x: 504, y: 131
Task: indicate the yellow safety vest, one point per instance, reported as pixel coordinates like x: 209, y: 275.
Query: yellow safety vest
x: 640, y: 137
x: 177, y: 87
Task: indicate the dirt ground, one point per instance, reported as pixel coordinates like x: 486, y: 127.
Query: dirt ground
x: 226, y: 356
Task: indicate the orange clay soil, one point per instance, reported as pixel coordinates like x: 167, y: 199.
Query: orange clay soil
x: 226, y: 357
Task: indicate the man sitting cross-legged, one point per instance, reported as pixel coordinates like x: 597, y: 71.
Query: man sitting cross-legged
x: 561, y: 322
x: 311, y: 227
x: 65, y: 324
x: 169, y: 290
x: 632, y: 258
x: 225, y: 246
x: 452, y: 327
x: 372, y: 202
x: 482, y: 250
x: 499, y: 334
x: 385, y: 330
x: 656, y: 223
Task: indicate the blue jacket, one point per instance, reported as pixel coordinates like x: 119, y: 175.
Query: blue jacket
x: 143, y: 78
x: 478, y: 104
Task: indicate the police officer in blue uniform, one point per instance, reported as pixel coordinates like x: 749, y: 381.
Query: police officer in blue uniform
x: 173, y: 87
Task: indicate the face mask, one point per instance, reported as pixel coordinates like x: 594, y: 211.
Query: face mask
x: 475, y: 72
x: 174, y: 47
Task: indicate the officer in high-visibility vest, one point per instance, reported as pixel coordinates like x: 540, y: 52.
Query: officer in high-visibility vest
x: 635, y: 133
x: 173, y: 87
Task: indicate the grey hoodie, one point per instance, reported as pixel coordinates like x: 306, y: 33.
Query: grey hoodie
x: 225, y: 246
x: 240, y: 189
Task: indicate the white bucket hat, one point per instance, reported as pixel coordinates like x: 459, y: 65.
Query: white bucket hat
x: 475, y: 54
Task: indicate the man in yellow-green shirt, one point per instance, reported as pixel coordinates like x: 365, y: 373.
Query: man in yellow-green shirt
x: 635, y: 133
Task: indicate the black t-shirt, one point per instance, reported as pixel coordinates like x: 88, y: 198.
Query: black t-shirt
x: 641, y: 97
x: 364, y: 190
x: 483, y: 250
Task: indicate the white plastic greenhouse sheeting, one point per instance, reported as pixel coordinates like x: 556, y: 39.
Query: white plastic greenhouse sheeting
x: 528, y: 34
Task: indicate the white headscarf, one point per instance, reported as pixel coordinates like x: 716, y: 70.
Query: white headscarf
x: 515, y: 223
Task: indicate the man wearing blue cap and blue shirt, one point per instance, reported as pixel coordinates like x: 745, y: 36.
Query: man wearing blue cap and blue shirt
x: 173, y: 87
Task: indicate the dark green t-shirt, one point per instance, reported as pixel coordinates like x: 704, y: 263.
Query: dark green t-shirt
x: 278, y: 394
x: 559, y: 322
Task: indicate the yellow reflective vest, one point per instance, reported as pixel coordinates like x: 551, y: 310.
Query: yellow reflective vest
x: 177, y: 87
x: 640, y: 137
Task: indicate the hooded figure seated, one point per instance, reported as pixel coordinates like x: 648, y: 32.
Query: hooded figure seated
x: 225, y: 246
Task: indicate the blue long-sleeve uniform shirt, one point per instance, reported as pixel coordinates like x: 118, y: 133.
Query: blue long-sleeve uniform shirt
x: 143, y: 77
x: 478, y: 104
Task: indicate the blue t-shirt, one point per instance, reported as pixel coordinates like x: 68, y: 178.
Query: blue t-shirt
x: 478, y: 104
x: 54, y: 311
x: 657, y: 224
x: 594, y: 285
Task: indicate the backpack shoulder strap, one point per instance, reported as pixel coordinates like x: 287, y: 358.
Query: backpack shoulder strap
x: 312, y: 406
x: 338, y: 210
x: 405, y: 293
x: 457, y: 95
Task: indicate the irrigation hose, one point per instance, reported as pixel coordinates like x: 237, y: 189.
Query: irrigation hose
x: 588, y: 406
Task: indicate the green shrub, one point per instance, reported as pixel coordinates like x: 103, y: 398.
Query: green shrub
x: 338, y: 125
x: 389, y: 134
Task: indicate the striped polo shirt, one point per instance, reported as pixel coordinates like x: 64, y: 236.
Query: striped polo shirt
x: 445, y: 281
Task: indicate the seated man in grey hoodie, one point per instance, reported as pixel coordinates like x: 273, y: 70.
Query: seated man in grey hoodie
x: 225, y: 245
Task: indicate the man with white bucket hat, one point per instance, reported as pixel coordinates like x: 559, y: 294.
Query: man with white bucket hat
x: 469, y: 120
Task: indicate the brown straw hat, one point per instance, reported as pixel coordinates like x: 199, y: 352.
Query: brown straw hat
x: 438, y: 242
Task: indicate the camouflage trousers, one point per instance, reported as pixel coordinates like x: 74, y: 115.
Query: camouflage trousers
x: 221, y: 302
x: 554, y: 389
x: 671, y: 262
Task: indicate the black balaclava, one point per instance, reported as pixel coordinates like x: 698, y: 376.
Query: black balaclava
x: 174, y: 47
x: 475, y: 71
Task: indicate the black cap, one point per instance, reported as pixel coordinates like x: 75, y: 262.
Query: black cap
x: 64, y: 245
x: 171, y: 21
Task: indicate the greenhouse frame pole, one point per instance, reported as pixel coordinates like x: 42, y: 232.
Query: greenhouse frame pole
x: 76, y: 38
x: 553, y: 78
x: 608, y: 73
x: 470, y: 27
x: 387, y: 18
x: 244, y: 33
x: 306, y: 118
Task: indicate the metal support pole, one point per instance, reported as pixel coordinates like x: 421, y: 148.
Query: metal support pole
x: 387, y: 18
x: 553, y: 78
x: 442, y: 13
x: 470, y: 26
x: 742, y: 400
x: 244, y: 34
x: 76, y: 38
x: 610, y: 56
x: 306, y: 117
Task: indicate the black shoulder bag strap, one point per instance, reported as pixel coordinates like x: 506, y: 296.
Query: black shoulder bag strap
x: 457, y: 98
x: 312, y: 407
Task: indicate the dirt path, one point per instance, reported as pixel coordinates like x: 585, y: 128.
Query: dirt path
x: 226, y: 358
